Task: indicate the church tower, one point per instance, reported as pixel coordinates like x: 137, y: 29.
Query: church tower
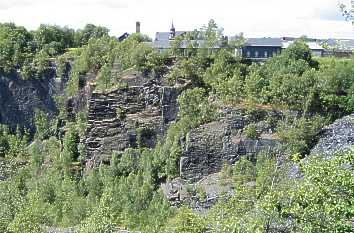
x: 172, y: 31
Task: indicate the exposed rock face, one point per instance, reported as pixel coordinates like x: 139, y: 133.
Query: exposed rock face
x: 199, y: 196
x: 128, y: 117
x: 19, y: 98
x: 208, y: 147
x: 337, y: 137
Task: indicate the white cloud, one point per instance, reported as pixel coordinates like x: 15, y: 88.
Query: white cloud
x: 315, y: 18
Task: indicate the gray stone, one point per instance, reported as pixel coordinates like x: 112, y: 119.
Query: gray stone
x: 20, y: 98
x: 207, y: 148
x: 125, y: 117
x: 199, y: 196
x: 336, y: 138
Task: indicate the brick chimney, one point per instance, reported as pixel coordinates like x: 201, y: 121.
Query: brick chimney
x: 137, y: 27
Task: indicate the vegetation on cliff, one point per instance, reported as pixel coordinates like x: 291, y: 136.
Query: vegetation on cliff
x: 52, y: 187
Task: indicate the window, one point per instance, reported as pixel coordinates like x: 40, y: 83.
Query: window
x: 256, y: 54
x: 248, y: 54
x: 265, y: 53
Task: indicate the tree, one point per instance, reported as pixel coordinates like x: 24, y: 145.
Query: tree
x: 83, y: 36
x: 299, y: 50
x: 186, y: 222
x: 16, y: 48
x: 211, y: 33
x: 347, y: 11
x: 322, y: 201
x: 104, y: 77
x: 195, y: 108
x: 54, y: 38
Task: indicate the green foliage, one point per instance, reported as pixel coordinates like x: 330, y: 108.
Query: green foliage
x: 13, y: 145
x: 241, y: 212
x: 299, y: 51
x: 251, y: 131
x: 100, y: 221
x: 104, y: 77
x: 25, y: 222
x: 52, y: 189
x: 195, y: 108
x: 300, y: 134
x: 188, y: 70
x: 225, y: 76
x: 41, y: 62
x: 43, y: 125
x: 83, y: 36
x: 254, y: 84
x: 133, y: 52
x: 211, y: 33
x: 16, y: 48
x: 54, y: 39
x: 322, y: 200
x: 336, y: 88
x: 293, y: 80
x: 29, y: 53
x: 186, y: 221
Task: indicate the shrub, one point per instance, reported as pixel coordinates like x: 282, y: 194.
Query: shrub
x: 300, y: 134
x: 251, y: 131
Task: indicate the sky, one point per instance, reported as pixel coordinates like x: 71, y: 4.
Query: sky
x: 255, y: 18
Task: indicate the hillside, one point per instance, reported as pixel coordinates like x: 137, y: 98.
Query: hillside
x: 114, y: 136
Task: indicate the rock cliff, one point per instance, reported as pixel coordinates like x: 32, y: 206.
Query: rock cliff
x: 20, y: 98
x: 128, y: 117
x: 337, y: 137
x: 208, y: 147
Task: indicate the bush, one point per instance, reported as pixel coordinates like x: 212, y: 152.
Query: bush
x: 251, y: 131
x: 186, y: 222
x: 194, y: 107
x: 300, y: 134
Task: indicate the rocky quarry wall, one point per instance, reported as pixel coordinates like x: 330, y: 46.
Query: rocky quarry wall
x: 20, y: 98
x: 128, y: 117
x: 208, y: 147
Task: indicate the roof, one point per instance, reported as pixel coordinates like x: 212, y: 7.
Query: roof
x: 165, y: 36
x: 264, y: 42
x: 166, y: 44
x: 346, y: 44
x: 123, y: 36
x: 312, y: 45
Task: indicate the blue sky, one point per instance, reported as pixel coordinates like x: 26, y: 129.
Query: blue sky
x: 255, y: 18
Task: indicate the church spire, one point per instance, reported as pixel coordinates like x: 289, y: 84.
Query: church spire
x: 172, y: 31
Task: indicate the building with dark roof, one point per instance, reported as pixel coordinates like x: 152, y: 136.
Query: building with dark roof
x: 255, y: 49
x: 164, y: 41
x: 126, y: 34
x: 261, y: 48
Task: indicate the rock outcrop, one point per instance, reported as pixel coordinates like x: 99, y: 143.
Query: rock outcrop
x: 128, y: 117
x: 199, y: 196
x: 208, y: 147
x: 337, y: 137
x: 20, y: 98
